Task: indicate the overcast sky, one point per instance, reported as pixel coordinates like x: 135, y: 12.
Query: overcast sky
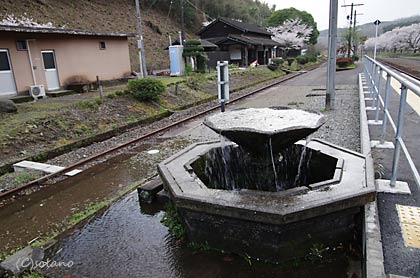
x: 383, y: 10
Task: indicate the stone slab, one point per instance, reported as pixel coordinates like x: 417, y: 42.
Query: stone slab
x: 373, y: 122
x: 384, y: 186
x: 73, y: 172
x: 18, y: 262
x: 43, y: 167
x: 378, y: 145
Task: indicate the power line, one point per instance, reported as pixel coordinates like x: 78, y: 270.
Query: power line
x: 198, y: 9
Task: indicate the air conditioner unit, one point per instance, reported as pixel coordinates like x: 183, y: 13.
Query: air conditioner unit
x: 37, y: 91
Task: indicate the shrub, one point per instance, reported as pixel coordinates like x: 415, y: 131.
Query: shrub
x: 111, y: 95
x: 201, y: 63
x: 355, y: 58
x: 188, y: 68
x: 146, y: 89
x: 121, y: 93
x: 192, y: 42
x: 290, y: 61
x: 273, y: 66
x: 312, y: 58
x: 301, y: 59
x: 277, y: 61
x: 344, y: 62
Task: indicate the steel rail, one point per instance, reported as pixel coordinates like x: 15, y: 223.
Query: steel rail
x: 45, y: 178
x: 374, y: 73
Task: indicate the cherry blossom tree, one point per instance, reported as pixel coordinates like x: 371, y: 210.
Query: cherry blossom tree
x: 398, y: 39
x: 292, y: 34
x: 411, y: 36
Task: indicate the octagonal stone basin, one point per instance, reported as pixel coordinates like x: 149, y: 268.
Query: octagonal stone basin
x: 275, y: 225
x: 256, y: 128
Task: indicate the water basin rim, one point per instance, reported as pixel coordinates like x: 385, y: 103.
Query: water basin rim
x: 262, y: 132
x: 217, y: 122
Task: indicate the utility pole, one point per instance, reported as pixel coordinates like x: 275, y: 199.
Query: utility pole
x: 354, y: 32
x: 351, y: 19
x: 142, y: 59
x: 181, y: 3
x: 377, y: 22
x: 332, y: 52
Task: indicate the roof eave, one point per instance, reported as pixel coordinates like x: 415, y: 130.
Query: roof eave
x: 58, y: 31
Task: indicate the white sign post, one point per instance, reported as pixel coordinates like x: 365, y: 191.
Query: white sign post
x: 377, y: 22
x: 223, y: 83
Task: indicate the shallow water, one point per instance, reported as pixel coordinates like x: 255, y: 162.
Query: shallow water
x: 43, y: 211
x: 128, y: 240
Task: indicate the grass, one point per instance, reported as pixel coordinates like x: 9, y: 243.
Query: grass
x: 167, y: 80
x: 32, y: 274
x: 172, y: 220
x: 25, y: 176
x: 90, y: 210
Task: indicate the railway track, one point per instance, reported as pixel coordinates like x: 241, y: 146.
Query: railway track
x: 410, y: 72
x: 36, y: 183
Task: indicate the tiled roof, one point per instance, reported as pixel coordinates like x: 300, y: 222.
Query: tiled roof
x: 243, y: 26
x: 43, y: 30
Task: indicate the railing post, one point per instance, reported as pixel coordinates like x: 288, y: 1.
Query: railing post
x: 398, y: 135
x: 378, y: 95
x: 385, y: 118
x: 367, y: 70
x: 371, y: 79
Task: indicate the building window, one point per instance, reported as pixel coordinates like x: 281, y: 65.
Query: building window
x: 21, y: 45
x: 102, y: 45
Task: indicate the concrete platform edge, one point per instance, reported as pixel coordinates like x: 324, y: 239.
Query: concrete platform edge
x: 374, y: 258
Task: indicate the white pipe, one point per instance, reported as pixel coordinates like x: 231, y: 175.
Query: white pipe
x: 30, y: 62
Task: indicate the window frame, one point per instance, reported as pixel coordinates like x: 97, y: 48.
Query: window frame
x: 21, y: 49
x: 102, y: 45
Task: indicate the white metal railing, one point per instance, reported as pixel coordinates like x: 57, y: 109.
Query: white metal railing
x: 373, y: 73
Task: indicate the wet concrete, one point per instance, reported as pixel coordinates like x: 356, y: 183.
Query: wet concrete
x: 129, y: 241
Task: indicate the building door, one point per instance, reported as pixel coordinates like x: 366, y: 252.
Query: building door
x: 51, y: 74
x: 7, y: 80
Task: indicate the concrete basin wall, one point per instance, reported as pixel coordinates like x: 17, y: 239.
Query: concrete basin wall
x: 270, y: 225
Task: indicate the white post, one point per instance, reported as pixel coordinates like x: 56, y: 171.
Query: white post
x: 377, y: 22
x: 332, y: 48
x: 223, y: 83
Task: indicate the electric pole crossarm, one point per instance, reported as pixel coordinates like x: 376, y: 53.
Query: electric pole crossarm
x: 351, y: 19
